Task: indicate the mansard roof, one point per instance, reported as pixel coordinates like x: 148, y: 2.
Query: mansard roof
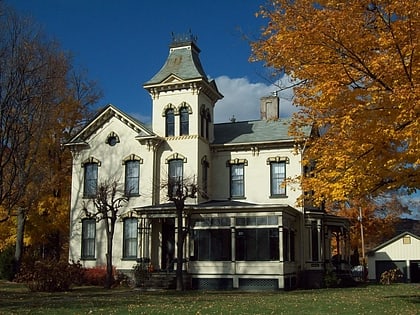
x: 104, y: 115
x: 257, y: 131
x: 183, y: 62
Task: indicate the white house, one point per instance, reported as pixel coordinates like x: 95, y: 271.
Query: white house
x: 248, y: 232
x: 402, y: 252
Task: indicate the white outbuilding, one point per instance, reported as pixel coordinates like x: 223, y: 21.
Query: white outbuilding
x: 402, y: 252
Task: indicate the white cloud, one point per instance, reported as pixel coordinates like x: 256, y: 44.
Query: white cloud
x: 242, y: 99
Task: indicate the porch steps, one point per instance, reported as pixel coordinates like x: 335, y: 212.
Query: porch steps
x: 162, y: 280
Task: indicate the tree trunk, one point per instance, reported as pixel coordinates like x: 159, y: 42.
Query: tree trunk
x: 109, y: 281
x: 180, y: 253
x: 20, y: 230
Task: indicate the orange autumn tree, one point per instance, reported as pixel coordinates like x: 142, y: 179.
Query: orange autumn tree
x: 357, y: 64
x: 379, y: 218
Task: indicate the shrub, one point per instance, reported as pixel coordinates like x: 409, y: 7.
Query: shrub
x: 141, y: 273
x: 50, y: 275
x: 7, y: 262
x: 94, y: 276
x: 390, y: 276
x: 330, y: 279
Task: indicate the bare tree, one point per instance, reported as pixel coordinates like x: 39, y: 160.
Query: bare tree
x: 179, y: 189
x: 107, y: 204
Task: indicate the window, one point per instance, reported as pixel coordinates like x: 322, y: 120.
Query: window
x: 130, y: 238
x: 184, y: 121
x: 292, y: 245
x: 208, y: 120
x: 175, y: 179
x: 112, y: 139
x: 170, y: 122
x: 314, y: 241
x: 212, y: 244
x: 277, y: 178
x: 237, y: 180
x: 90, y: 179
x: 406, y: 239
x: 205, y: 122
x: 88, y: 238
x: 204, y: 178
x: 132, y: 176
x: 254, y: 244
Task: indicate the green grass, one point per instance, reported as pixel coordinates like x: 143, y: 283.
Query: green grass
x: 370, y: 299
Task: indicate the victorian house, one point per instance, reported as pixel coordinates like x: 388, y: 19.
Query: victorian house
x: 247, y: 227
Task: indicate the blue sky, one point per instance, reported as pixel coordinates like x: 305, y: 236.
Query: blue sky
x: 124, y: 43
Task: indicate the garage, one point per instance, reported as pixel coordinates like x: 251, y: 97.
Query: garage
x: 384, y: 265
x: 402, y: 252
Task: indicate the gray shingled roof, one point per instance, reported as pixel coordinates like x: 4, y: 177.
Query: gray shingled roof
x: 254, y: 131
x: 183, y: 62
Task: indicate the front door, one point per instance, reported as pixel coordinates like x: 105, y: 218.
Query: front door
x: 168, y: 244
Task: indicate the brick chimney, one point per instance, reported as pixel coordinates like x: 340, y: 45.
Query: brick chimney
x: 269, y: 107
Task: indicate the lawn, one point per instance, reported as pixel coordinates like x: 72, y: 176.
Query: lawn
x: 369, y: 299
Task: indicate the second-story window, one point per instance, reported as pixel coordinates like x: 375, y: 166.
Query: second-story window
x: 90, y: 179
x: 175, y: 176
x: 237, y: 180
x: 132, y: 177
x: 278, y: 178
x: 184, y: 121
x: 170, y: 123
x: 205, y: 120
x: 204, y: 178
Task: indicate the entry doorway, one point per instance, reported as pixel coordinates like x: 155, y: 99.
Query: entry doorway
x: 168, y: 244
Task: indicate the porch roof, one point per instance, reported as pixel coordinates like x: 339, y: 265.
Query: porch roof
x: 216, y: 206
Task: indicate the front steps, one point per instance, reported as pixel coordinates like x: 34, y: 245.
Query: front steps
x: 162, y: 280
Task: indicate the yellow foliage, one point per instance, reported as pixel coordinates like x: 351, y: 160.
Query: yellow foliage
x: 359, y: 65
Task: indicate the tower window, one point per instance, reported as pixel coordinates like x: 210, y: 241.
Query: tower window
x: 170, y: 123
x: 184, y: 121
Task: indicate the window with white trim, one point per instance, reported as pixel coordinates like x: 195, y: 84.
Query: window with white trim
x: 130, y: 241
x: 88, y: 238
x: 132, y: 177
x: 90, y: 183
x: 169, y: 122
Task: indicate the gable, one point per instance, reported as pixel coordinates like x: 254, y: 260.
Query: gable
x: 172, y: 79
x: 403, y: 245
x: 103, y: 117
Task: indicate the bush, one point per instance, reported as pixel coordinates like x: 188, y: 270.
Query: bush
x: 390, y: 276
x: 50, y: 275
x: 330, y: 279
x: 141, y: 274
x: 94, y: 276
x: 7, y: 262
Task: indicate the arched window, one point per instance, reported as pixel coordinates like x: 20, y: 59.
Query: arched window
x: 205, y: 122
x: 170, y: 123
x: 184, y: 121
x: 208, y: 121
